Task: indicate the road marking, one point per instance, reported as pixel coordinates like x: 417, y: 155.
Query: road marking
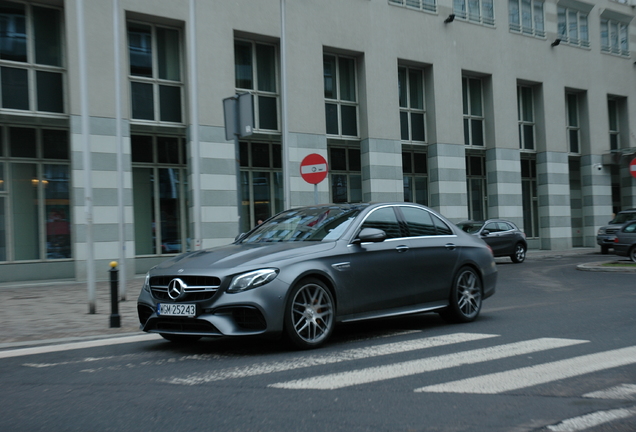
x: 594, y: 419
x: 399, y: 370
x: 624, y: 391
x: 77, y: 345
x: 539, y: 374
x: 318, y: 360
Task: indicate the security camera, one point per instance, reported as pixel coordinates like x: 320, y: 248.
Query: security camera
x: 598, y: 167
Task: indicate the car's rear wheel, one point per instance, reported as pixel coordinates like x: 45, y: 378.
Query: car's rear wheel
x: 310, y: 314
x: 632, y: 253
x: 465, y: 297
x: 178, y: 338
x: 519, y: 255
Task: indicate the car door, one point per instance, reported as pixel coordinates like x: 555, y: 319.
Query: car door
x: 433, y: 256
x: 378, y: 270
x: 494, y: 238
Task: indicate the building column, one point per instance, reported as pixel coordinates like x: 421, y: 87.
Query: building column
x: 503, y: 168
x: 596, y: 189
x: 447, y: 180
x: 382, y: 178
x: 553, y: 189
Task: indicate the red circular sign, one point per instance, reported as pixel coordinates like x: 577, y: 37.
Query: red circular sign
x: 313, y: 168
x: 632, y: 167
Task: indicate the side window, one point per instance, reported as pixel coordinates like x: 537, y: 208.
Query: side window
x: 492, y: 227
x: 384, y: 218
x: 504, y: 227
x: 630, y: 228
x: 418, y: 221
x: 442, y: 228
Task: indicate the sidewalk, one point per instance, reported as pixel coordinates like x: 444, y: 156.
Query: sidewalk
x: 57, y: 311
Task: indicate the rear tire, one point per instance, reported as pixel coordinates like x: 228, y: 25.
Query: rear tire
x: 181, y: 339
x: 632, y: 253
x: 520, y: 254
x: 465, y: 297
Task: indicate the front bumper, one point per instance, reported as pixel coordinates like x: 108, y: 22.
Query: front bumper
x: 258, y: 311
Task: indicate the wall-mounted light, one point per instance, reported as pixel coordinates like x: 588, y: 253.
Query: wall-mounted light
x: 556, y: 42
x: 450, y: 19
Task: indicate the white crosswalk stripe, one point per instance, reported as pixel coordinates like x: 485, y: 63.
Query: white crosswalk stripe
x: 380, y: 373
x: 538, y: 374
x: 324, y: 359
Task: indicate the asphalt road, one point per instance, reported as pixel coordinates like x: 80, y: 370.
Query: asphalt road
x: 554, y: 349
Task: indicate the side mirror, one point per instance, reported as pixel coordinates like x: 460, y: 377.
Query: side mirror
x: 370, y: 235
x: 485, y: 232
x: 239, y: 237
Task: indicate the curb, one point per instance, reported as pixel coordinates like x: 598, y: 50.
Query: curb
x: 600, y: 267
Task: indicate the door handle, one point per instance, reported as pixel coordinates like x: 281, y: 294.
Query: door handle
x: 450, y: 246
x: 402, y: 248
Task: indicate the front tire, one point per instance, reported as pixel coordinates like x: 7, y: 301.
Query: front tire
x: 309, y: 314
x: 604, y: 250
x: 519, y: 255
x: 465, y: 297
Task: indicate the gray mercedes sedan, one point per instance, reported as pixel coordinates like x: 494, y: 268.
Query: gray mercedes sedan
x: 304, y: 270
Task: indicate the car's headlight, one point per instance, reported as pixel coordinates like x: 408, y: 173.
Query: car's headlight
x: 601, y: 231
x: 253, y: 279
x: 146, y: 286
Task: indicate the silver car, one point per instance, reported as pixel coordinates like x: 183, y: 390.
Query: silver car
x: 303, y: 271
x: 625, y: 241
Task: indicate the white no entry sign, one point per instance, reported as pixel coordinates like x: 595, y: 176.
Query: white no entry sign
x: 313, y: 168
x: 632, y: 167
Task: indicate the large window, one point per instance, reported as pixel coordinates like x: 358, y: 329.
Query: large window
x: 573, y: 27
x: 525, y: 116
x: 412, y: 110
x: 345, y: 174
x: 614, y: 128
x: 261, y: 182
x: 415, y: 175
x: 614, y: 37
x: 159, y: 194
x: 341, y: 100
x: 480, y: 11
x: 255, y: 72
x: 31, y: 58
x: 476, y: 187
x: 156, y: 79
x: 526, y: 16
x: 530, y: 201
x: 35, y: 211
x: 426, y: 5
x: 473, y: 103
x: 574, y: 123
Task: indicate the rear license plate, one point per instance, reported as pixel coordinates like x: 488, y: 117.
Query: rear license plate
x: 176, y: 309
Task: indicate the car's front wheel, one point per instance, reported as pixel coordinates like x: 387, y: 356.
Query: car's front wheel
x: 310, y: 314
x: 465, y: 297
x: 604, y: 250
x: 632, y: 253
x: 519, y: 255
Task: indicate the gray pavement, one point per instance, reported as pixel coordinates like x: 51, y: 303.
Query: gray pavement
x: 58, y: 312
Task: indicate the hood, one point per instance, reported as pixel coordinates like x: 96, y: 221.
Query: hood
x: 244, y: 256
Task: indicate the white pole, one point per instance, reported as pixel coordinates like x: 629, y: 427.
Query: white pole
x: 88, y: 185
x: 285, y: 135
x: 120, y: 156
x: 194, y: 129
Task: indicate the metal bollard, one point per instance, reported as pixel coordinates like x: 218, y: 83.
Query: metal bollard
x: 114, y: 301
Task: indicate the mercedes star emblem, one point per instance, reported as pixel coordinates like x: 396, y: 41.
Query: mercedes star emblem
x: 176, y: 287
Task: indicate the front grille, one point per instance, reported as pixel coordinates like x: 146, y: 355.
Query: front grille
x: 611, y: 230
x: 197, y: 287
x: 182, y: 325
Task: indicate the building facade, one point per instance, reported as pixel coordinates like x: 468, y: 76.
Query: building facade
x: 112, y: 128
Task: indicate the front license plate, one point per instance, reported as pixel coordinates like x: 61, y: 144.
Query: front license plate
x: 176, y: 309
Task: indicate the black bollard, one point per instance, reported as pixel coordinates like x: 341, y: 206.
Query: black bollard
x: 114, y: 301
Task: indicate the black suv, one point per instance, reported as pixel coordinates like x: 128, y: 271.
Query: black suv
x: 606, y: 234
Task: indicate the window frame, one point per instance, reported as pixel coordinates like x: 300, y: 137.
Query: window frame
x: 32, y: 67
x: 611, y: 28
x: 529, y: 196
x: 469, y: 117
x: 461, y: 9
x: 614, y: 129
x: 348, y: 173
x: 155, y: 80
x: 412, y: 175
x: 421, y: 5
x: 408, y: 108
x: 523, y: 124
x: 565, y: 26
x: 573, y: 125
x: 255, y: 91
x: 536, y: 10
x: 482, y: 178
x: 338, y: 101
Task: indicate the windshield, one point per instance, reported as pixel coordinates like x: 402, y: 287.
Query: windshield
x: 308, y: 224
x: 621, y: 218
x: 470, y: 227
